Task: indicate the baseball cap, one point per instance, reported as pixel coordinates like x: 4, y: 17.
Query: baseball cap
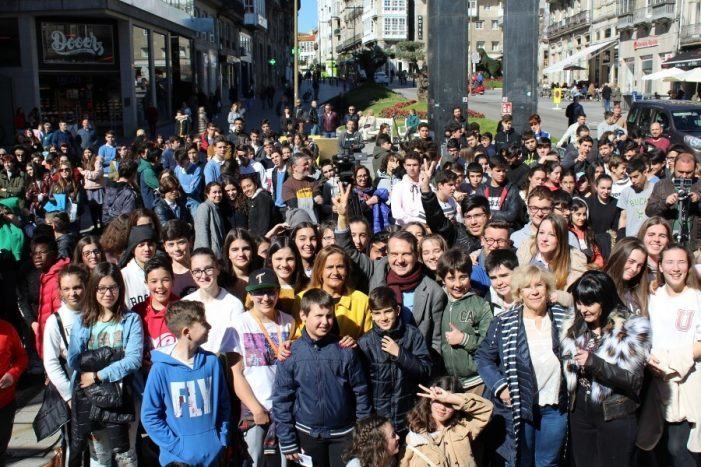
x: 262, y: 279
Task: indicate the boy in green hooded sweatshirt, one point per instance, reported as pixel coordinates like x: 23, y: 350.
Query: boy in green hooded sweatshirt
x: 465, y: 319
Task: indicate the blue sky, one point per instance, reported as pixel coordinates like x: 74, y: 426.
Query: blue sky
x: 307, y: 16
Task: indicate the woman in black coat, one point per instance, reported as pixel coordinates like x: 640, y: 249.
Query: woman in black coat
x: 262, y: 215
x: 171, y: 205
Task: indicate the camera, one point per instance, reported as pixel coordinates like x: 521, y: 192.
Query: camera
x: 682, y: 186
x: 345, y: 164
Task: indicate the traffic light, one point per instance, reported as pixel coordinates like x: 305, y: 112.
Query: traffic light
x: 272, y: 62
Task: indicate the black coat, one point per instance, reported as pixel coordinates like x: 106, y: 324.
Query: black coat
x: 262, y: 214
x: 393, y: 381
x: 165, y: 213
x: 455, y: 234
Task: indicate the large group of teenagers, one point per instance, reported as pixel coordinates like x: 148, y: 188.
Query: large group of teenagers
x: 231, y: 298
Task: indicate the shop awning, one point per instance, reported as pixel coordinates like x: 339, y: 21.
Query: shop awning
x: 687, y: 60
x: 583, y: 54
x: 666, y: 73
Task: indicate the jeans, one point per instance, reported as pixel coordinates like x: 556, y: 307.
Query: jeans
x: 328, y: 134
x: 541, y: 441
x: 324, y: 452
x: 599, y: 442
x: 607, y: 105
x: 100, y: 444
x: 314, y: 130
x: 7, y: 415
x: 677, y: 436
x: 254, y: 438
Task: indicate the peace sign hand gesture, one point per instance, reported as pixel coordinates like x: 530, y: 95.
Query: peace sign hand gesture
x: 425, y: 175
x: 340, y: 202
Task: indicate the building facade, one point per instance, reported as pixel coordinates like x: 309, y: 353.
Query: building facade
x: 485, y: 29
x: 308, y: 49
x: 329, y: 34
x: 649, y: 35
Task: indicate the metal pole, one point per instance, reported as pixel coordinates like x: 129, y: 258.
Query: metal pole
x: 296, y: 54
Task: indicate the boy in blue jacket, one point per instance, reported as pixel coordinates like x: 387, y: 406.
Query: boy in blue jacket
x: 320, y: 390
x: 186, y: 404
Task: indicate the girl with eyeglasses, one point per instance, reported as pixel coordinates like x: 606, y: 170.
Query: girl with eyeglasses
x: 106, y: 347
x: 88, y: 252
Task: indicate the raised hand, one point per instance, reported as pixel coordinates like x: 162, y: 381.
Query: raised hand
x: 340, y: 202
x: 426, y: 174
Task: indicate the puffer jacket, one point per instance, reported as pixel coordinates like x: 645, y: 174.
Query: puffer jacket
x: 49, y: 298
x: 320, y: 390
x: 452, y: 446
x: 471, y: 315
x: 394, y: 381
x: 616, y: 368
x: 165, y: 213
x: 455, y: 234
x: 120, y: 198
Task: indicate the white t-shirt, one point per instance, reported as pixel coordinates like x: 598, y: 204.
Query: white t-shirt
x: 675, y: 321
x: 222, y: 313
x: 135, y: 290
x: 258, y: 356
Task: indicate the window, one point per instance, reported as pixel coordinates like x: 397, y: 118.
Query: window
x: 394, y: 5
x: 395, y: 27
x: 479, y: 25
x: 480, y: 45
x: 473, y: 4
x: 495, y: 24
x: 496, y: 47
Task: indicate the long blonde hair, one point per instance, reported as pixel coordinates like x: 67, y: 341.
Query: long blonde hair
x: 560, y: 265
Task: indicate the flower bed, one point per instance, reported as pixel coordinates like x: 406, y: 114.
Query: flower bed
x: 401, y: 110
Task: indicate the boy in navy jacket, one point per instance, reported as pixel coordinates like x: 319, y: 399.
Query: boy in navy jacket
x: 320, y: 390
x: 186, y: 406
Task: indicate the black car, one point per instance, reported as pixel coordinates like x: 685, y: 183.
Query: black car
x: 680, y: 120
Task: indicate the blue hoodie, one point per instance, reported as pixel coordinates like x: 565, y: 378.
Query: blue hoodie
x: 186, y: 410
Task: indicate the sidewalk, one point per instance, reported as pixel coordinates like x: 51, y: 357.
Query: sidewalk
x: 24, y: 450
x: 258, y: 112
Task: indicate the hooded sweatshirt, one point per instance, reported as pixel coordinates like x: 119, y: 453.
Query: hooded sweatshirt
x: 134, y: 284
x: 185, y: 409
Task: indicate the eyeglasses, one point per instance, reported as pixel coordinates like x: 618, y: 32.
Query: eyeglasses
x: 498, y: 241
x: 473, y: 217
x: 88, y: 253
x: 544, y: 210
x: 198, y: 272
x: 113, y: 289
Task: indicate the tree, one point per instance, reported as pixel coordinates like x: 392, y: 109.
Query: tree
x: 411, y: 51
x: 370, y: 59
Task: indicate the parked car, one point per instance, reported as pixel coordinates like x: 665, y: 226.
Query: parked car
x: 382, y: 78
x: 680, y: 120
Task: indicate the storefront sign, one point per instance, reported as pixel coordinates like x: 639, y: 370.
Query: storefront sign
x: 420, y: 28
x: 645, y: 43
x: 77, y: 43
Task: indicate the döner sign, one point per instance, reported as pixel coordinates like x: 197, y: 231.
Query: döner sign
x: 63, y: 45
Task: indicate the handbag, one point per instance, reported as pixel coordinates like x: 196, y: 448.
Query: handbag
x: 53, y: 413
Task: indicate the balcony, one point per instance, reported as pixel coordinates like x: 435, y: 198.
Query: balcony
x: 472, y: 12
x: 642, y: 16
x: 255, y: 20
x: 690, y: 34
x: 569, y: 24
x: 663, y: 10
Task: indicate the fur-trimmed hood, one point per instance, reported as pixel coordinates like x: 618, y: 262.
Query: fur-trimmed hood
x: 626, y: 345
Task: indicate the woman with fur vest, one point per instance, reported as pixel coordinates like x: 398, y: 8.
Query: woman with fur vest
x: 604, y: 354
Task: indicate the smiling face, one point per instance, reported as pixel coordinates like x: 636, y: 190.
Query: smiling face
x: 431, y: 251
x: 385, y: 318
x: 590, y: 313
x: 441, y: 413
x: 178, y: 249
x: 475, y: 220
x: 91, y: 254
x: 160, y: 285
x: 634, y: 264
x: 402, y: 258
x: 265, y: 300
x: 501, y: 280
x: 457, y: 283
x: 306, y: 242
x: 335, y: 273
x: 215, y: 194
x: 248, y: 187
x: 72, y: 291
x: 283, y: 263
x: 674, y: 266
x: 535, y: 295
x: 107, y: 292
x: 546, y: 238
x: 655, y: 239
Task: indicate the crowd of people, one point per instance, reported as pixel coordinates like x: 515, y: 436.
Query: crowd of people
x: 229, y: 298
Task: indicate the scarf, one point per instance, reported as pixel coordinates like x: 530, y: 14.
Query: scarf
x: 401, y: 284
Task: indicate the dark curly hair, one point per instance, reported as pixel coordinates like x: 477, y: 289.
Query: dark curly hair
x: 369, y: 444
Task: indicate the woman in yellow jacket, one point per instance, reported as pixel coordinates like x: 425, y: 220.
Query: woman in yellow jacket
x: 442, y: 424
x: 330, y: 273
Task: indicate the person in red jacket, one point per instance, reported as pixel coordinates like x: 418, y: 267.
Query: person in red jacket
x: 45, y: 259
x: 159, y: 280
x: 13, y: 361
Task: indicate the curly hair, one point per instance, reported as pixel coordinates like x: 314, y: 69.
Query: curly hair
x: 420, y: 419
x: 369, y: 444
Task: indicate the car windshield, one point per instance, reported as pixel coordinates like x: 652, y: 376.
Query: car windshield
x: 687, y: 120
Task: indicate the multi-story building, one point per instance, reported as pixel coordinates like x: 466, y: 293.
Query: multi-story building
x: 307, y: 50
x: 386, y: 22
x: 649, y: 36
x: 689, y: 55
x: 351, y: 29
x: 485, y: 29
x: 329, y: 34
